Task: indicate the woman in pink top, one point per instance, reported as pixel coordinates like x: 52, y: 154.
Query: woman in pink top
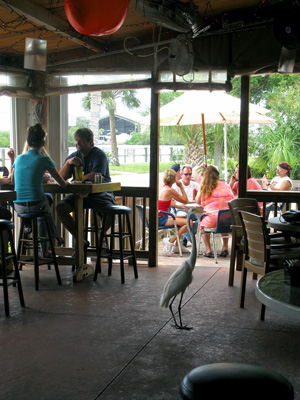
x: 167, y: 198
x: 252, y: 184
x: 213, y: 196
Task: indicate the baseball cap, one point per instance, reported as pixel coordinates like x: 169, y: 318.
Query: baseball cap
x: 176, y: 167
x: 286, y: 166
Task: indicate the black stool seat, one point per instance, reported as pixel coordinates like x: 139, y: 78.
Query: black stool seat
x: 110, y: 252
x: 117, y: 210
x: 33, y: 243
x: 34, y: 214
x: 8, y: 226
x: 237, y: 381
x: 5, y: 224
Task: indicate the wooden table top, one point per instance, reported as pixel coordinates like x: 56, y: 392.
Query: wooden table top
x: 7, y: 195
x: 82, y: 188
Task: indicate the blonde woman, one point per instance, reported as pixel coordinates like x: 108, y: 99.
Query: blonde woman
x: 213, y: 196
x: 167, y: 198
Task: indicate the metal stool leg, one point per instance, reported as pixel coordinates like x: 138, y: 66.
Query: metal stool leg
x: 16, y: 269
x: 120, y: 234
x: 35, y: 252
x: 52, y: 251
x: 132, y: 247
x: 4, y: 275
x: 111, y: 244
x: 98, y: 262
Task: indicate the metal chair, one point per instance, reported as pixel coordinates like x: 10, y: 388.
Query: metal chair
x: 237, y: 246
x: 277, y: 208
x: 162, y: 230
x: 260, y: 255
x: 223, y: 227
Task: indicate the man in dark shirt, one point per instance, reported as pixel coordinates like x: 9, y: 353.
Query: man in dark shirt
x: 93, y: 160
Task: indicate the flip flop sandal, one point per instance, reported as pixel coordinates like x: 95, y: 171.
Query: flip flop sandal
x: 208, y: 255
x: 223, y: 253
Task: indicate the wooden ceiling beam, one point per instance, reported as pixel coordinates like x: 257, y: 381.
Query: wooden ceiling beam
x: 42, y: 17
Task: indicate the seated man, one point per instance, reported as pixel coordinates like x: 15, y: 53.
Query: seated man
x: 280, y: 182
x: 94, y: 161
x: 191, y: 189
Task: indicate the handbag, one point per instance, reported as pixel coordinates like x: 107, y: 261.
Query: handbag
x: 291, y: 216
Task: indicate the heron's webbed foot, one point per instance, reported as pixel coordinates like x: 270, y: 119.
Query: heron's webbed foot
x: 184, y: 327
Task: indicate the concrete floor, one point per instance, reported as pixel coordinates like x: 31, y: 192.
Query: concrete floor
x: 103, y: 340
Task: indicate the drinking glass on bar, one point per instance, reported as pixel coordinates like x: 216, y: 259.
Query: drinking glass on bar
x: 79, y: 174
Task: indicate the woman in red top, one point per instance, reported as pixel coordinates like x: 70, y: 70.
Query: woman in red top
x: 167, y: 198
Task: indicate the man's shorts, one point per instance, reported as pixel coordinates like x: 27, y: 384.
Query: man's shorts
x: 95, y: 201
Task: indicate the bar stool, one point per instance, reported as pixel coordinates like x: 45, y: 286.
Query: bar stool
x: 7, y: 226
x: 236, y: 381
x: 110, y: 252
x: 33, y: 243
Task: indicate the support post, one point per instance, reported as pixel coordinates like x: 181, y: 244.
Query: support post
x: 154, y: 174
x: 244, y: 131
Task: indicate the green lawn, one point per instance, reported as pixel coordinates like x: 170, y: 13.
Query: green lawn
x: 141, y: 168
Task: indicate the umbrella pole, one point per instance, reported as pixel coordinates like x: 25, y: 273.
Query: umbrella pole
x: 225, y: 152
x: 204, y: 139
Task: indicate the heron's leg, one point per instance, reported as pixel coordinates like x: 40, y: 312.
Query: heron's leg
x: 179, y: 313
x: 170, y: 307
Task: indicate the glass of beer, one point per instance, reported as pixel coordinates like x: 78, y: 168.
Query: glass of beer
x: 79, y: 174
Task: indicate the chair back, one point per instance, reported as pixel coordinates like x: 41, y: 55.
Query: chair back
x: 242, y: 204
x: 224, y: 221
x: 256, y: 240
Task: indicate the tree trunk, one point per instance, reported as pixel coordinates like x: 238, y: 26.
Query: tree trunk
x: 218, y: 153
x: 113, y: 139
x: 194, y: 148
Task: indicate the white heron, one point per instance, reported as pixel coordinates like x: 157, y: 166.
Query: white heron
x: 180, y: 279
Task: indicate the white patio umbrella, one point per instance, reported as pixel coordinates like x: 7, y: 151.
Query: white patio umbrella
x: 203, y: 107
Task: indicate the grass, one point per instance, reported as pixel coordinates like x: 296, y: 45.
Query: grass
x: 142, y: 168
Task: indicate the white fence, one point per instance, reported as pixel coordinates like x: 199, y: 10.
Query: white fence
x: 129, y: 154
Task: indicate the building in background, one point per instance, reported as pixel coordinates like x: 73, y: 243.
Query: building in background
x: 124, y: 128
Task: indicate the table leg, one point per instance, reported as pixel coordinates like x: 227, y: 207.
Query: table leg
x: 82, y: 270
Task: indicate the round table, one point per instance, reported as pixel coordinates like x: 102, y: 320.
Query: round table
x: 273, y: 292
x: 279, y: 224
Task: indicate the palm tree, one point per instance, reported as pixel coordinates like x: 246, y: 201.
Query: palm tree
x: 108, y: 99
x: 193, y: 154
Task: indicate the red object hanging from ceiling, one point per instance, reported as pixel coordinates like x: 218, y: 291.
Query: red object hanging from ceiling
x: 96, y: 17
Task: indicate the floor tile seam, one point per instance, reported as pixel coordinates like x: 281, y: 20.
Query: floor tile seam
x: 27, y: 310
x: 151, y: 339
x: 143, y: 347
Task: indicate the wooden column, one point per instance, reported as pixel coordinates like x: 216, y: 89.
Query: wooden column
x: 54, y: 140
x: 154, y: 178
x: 244, y: 127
